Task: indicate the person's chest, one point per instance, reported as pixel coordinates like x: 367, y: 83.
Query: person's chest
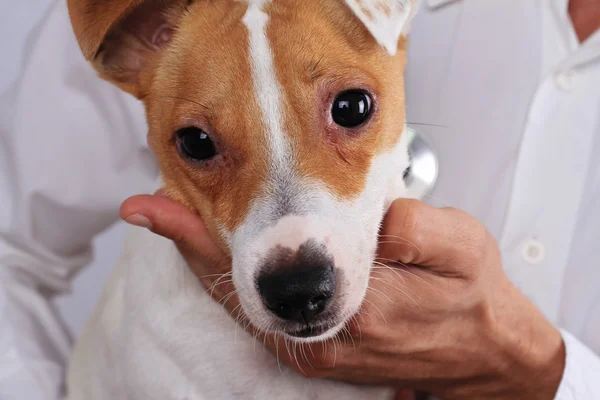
x: 515, y: 121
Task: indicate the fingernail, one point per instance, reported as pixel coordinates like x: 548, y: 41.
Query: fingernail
x: 139, y: 220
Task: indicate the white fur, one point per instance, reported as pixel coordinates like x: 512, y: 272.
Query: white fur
x: 265, y: 82
x: 385, y: 27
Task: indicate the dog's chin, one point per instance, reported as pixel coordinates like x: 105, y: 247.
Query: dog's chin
x: 313, y: 333
x: 319, y: 332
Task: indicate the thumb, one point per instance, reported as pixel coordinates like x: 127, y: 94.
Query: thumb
x: 438, y: 239
x: 173, y: 221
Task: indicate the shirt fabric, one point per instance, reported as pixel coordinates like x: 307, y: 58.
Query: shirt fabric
x: 515, y: 100
x: 502, y: 89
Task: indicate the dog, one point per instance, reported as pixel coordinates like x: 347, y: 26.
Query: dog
x: 281, y: 123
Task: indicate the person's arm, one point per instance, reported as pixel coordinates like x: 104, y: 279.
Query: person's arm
x: 72, y: 147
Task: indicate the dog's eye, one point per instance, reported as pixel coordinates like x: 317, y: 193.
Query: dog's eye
x: 351, y: 108
x: 194, y: 143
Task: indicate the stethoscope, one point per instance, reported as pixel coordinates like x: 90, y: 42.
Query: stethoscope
x: 422, y: 174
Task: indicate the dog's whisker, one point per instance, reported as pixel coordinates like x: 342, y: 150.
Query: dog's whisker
x: 358, y: 324
x: 398, y: 289
x: 265, y: 334
x: 211, y: 275
x: 277, y: 352
x: 405, y: 269
x: 347, y: 331
x: 386, y: 259
x: 380, y: 293
x: 380, y: 265
x: 304, y: 356
x: 413, y: 300
x: 311, y: 351
x: 387, y: 267
x: 402, y: 268
x: 293, y: 347
x: 390, y: 284
x: 363, y: 314
x: 227, y: 297
x: 293, y: 353
x: 405, y: 243
x: 360, y: 313
x: 242, y: 320
x: 216, y: 283
x: 258, y: 331
x: 223, y: 298
x: 400, y: 240
x: 254, y: 337
x: 287, y: 346
x: 247, y: 325
x: 220, y: 281
x: 376, y: 309
x: 236, y: 322
x: 234, y: 310
x: 377, y: 293
x: 296, y: 358
x: 334, y: 351
x: 426, y: 124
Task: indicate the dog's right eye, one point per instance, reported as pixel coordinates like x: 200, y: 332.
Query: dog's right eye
x: 194, y: 143
x: 351, y: 108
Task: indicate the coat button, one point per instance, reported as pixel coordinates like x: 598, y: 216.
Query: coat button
x: 565, y: 80
x: 533, y: 251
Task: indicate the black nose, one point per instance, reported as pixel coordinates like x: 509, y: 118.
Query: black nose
x: 299, y: 294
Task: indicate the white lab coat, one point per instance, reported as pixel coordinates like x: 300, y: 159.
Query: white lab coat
x: 502, y: 89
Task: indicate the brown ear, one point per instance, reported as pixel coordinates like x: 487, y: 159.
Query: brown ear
x: 121, y: 37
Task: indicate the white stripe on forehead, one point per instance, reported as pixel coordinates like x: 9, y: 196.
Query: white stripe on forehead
x: 266, y: 86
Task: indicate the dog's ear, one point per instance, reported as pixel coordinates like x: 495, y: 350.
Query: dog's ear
x: 121, y: 37
x: 386, y: 20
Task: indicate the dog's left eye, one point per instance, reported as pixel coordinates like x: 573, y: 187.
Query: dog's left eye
x: 351, y: 108
x: 194, y: 143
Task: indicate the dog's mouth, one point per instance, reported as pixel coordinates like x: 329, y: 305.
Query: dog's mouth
x: 310, y: 331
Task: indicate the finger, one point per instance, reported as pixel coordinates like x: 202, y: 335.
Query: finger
x: 418, y: 234
x: 170, y: 219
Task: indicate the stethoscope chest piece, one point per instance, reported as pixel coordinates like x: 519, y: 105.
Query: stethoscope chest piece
x: 422, y: 174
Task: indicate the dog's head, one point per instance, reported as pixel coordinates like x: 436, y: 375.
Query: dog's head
x: 281, y: 123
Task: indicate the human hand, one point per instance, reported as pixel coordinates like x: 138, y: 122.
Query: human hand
x: 441, y: 316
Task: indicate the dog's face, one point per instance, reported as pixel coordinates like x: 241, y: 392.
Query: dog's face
x: 280, y: 122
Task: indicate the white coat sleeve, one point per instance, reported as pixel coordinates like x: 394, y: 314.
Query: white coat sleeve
x: 72, y: 147
x: 581, y: 378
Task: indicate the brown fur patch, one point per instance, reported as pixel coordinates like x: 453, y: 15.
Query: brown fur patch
x: 204, y: 79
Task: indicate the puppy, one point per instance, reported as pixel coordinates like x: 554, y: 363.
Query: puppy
x: 281, y: 122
